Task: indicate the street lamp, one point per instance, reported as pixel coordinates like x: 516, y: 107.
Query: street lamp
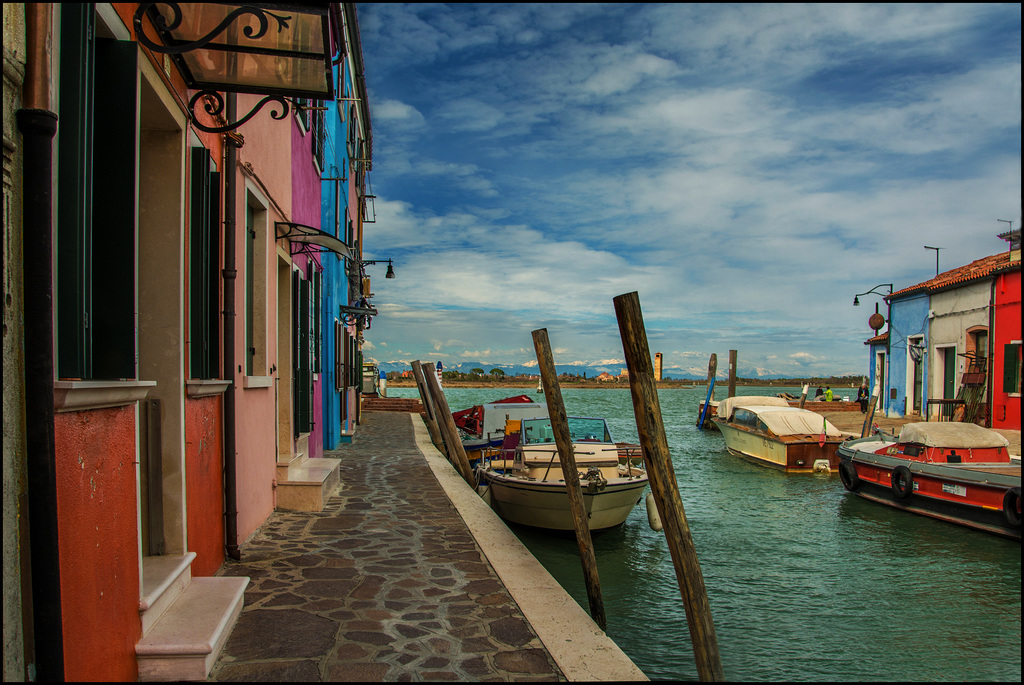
x: 391, y: 270
x: 876, y: 321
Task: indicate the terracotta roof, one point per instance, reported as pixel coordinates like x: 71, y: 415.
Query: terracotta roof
x: 976, y: 270
x: 878, y: 339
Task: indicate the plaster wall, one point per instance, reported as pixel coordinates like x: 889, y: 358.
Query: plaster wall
x: 908, y: 320
x: 203, y: 483
x: 14, y: 477
x: 954, y: 312
x: 263, y: 178
x: 1006, y: 409
x: 99, y: 542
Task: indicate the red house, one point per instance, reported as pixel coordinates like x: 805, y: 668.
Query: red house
x: 1006, y: 340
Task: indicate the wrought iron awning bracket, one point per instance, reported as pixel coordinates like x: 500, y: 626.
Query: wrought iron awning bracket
x: 214, y: 104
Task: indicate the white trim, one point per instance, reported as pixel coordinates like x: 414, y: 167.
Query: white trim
x: 257, y: 381
x: 83, y: 395
x: 206, y: 388
x: 112, y: 20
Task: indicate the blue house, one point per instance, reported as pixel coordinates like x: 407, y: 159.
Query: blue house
x: 907, y: 382
x: 344, y: 311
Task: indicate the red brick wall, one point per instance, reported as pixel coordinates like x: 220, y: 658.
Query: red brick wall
x: 204, y: 483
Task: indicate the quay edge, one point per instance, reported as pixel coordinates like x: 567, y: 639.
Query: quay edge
x: 580, y: 649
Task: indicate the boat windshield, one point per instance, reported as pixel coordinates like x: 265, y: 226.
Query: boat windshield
x: 538, y: 431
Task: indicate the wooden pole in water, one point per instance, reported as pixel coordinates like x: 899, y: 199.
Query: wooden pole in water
x: 803, y: 395
x: 428, y: 405
x: 702, y: 414
x: 869, y: 417
x: 732, y: 373
x: 567, y: 459
x: 448, y: 427
x: 663, y: 485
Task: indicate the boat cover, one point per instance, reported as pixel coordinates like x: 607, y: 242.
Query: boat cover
x: 951, y: 434
x: 726, y: 406
x: 793, y: 421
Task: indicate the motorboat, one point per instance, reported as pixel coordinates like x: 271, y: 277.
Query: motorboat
x: 483, y: 425
x: 770, y: 432
x: 956, y: 472
x: 524, y: 482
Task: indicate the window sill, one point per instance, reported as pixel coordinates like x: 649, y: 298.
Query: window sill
x: 257, y: 381
x: 82, y: 395
x: 206, y: 388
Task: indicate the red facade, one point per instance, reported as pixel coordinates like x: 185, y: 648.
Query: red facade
x: 1006, y: 349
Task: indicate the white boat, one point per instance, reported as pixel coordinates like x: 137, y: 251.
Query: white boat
x: 531, y: 491
x: 770, y: 432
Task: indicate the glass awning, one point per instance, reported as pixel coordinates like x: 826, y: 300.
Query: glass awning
x: 300, y: 233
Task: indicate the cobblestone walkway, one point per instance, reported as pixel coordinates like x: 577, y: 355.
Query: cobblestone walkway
x: 386, y: 584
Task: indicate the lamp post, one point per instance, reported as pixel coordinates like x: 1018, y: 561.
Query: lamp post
x: 875, y: 324
x: 391, y: 269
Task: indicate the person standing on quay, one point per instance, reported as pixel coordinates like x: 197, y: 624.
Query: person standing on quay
x: 828, y: 393
x: 862, y: 398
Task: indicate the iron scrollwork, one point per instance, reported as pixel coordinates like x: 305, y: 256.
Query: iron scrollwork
x: 162, y: 25
x: 214, y: 106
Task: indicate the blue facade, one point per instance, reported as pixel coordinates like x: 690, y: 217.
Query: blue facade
x: 908, y: 322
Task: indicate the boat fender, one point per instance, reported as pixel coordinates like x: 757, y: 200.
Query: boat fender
x: 848, y: 475
x: 902, y: 482
x: 653, y: 518
x: 1011, y: 507
x: 821, y: 466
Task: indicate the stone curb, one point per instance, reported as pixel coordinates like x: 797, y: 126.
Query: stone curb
x: 580, y: 649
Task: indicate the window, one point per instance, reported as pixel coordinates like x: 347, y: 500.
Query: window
x: 1012, y: 367
x: 96, y: 212
x: 255, y: 286
x: 203, y: 248
x: 306, y: 349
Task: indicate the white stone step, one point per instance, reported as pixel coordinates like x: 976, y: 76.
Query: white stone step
x: 185, y: 642
x: 163, y: 579
x: 308, y: 485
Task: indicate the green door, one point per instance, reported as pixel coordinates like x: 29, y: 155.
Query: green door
x: 949, y: 374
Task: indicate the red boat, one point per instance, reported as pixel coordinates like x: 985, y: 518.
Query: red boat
x: 956, y: 472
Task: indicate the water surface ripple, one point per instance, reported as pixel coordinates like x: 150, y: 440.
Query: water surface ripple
x: 805, y: 582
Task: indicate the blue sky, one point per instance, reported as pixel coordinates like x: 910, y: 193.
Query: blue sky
x: 746, y: 169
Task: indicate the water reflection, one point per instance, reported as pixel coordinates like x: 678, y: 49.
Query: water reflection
x: 806, y: 582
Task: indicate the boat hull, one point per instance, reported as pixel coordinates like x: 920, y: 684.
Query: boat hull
x: 545, y: 504
x: 788, y: 454
x: 982, y: 496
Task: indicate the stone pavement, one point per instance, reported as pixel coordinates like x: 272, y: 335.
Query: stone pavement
x: 386, y: 584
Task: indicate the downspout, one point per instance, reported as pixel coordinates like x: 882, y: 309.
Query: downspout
x: 990, y: 380
x: 230, y: 275
x: 38, y: 125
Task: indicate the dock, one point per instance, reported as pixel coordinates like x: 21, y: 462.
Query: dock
x: 405, y: 575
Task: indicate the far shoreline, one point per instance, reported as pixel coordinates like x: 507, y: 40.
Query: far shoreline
x: 619, y: 385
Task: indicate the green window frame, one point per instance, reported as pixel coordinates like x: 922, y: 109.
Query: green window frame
x: 204, y: 243
x: 1012, y: 368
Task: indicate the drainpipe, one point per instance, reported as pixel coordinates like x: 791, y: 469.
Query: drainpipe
x: 230, y: 275
x: 38, y: 126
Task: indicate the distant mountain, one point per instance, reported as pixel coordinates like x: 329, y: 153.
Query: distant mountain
x: 590, y: 369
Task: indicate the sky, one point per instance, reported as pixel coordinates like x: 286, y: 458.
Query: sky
x: 746, y: 169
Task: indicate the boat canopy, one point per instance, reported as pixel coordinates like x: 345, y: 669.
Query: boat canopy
x: 951, y: 434
x: 794, y: 421
x: 726, y: 406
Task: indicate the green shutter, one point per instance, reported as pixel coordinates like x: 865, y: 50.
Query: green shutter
x: 74, y: 190
x: 115, y: 140
x: 1011, y: 368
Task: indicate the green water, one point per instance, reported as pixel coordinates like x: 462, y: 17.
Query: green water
x: 806, y: 582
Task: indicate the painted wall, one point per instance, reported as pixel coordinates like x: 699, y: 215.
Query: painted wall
x: 955, y: 311
x: 908, y: 318
x: 99, y: 546
x: 1006, y: 407
x: 204, y: 445
x: 306, y: 201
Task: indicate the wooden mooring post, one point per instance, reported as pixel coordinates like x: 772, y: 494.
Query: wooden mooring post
x: 869, y: 417
x: 662, y: 478
x: 803, y: 395
x: 428, y: 405
x: 567, y: 459
x: 456, y: 452
x: 732, y: 373
x: 704, y: 412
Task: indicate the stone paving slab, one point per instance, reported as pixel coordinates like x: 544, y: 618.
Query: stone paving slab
x: 385, y: 584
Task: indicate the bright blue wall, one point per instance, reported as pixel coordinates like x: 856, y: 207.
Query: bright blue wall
x: 908, y: 317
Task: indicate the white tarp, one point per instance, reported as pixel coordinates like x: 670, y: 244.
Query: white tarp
x: 951, y: 434
x: 794, y: 421
x: 726, y: 406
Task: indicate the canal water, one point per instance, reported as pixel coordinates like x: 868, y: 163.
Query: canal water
x: 806, y: 582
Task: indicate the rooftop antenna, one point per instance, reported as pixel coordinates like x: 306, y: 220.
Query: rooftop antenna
x: 936, y: 257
